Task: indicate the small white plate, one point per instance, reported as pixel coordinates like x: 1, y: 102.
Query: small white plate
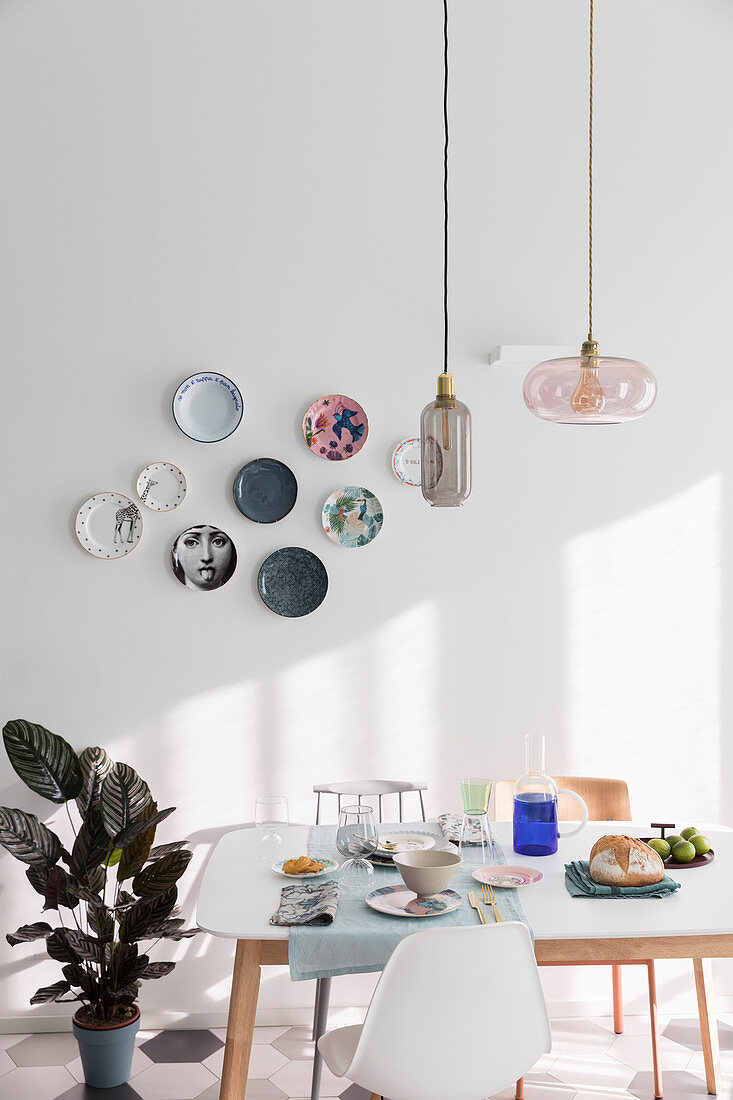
x: 405, y: 842
x: 406, y: 462
x: 109, y: 525
x: 509, y: 877
x: 329, y: 866
x: 398, y: 901
x: 207, y: 407
x: 161, y: 486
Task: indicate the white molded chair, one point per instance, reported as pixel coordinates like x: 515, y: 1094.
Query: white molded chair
x: 458, y: 1013
x: 369, y: 788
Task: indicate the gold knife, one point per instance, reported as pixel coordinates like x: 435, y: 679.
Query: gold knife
x: 473, y: 902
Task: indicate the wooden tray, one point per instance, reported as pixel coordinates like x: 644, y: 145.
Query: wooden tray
x: 671, y: 863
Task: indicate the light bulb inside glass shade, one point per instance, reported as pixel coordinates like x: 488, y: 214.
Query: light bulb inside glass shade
x: 445, y: 448
x: 587, y: 389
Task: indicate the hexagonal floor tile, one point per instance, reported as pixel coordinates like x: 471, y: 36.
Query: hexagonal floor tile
x: 53, y: 1049
x: 6, y: 1062
x: 84, y: 1092
x: 173, y: 1081
x: 687, y: 1033
x: 678, y: 1085
x: 295, y: 1080
x: 582, y: 1036
x: 599, y: 1073
x: 696, y: 1064
x: 633, y: 1025
x: 539, y: 1086
x: 181, y: 1046
x: 7, y: 1041
x: 297, y: 1042
x: 140, y: 1061
x: 636, y: 1051
x: 36, y: 1083
x: 356, y: 1092
x: 256, y: 1090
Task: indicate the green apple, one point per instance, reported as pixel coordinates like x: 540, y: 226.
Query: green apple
x: 684, y: 851
x: 660, y: 845
x: 700, y: 843
x: 689, y: 832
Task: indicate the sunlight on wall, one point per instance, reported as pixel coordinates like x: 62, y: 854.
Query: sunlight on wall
x: 644, y: 654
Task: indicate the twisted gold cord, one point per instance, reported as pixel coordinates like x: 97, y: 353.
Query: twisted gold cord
x: 590, y: 179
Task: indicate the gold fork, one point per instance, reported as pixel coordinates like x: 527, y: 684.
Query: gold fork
x: 473, y: 902
x: 487, y: 893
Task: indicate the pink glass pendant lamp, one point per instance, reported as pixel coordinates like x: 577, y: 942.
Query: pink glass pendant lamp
x: 445, y: 424
x: 591, y: 388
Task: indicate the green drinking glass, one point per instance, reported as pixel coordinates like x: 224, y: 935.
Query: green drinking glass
x: 475, y: 795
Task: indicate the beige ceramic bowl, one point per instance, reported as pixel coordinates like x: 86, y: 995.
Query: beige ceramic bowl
x: 428, y: 872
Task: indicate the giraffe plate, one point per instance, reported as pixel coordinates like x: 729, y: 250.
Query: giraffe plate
x: 109, y: 525
x: 161, y: 486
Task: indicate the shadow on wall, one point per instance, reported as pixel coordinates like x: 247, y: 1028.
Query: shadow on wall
x: 643, y: 653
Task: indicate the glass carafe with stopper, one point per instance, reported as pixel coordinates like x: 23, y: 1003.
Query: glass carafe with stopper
x: 535, y: 804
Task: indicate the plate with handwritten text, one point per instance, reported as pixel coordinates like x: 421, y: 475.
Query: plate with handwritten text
x: 406, y: 461
x: 208, y: 407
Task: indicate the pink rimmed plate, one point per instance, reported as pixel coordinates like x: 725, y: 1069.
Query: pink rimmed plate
x: 398, y: 901
x: 335, y: 427
x: 508, y: 876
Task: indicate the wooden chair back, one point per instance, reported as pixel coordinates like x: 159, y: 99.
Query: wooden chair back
x: 606, y: 799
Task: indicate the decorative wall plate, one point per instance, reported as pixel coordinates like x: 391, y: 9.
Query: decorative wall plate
x: 352, y: 516
x: 508, y: 876
x: 207, y: 407
x: 335, y: 427
x: 109, y: 525
x: 161, y: 486
x: 398, y: 901
x: 406, y: 461
x: 292, y: 582
x: 265, y: 490
x: 203, y: 557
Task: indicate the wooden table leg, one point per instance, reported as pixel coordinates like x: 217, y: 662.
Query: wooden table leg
x: 654, y: 1025
x: 241, y: 1019
x: 618, y: 1000
x: 708, y: 1023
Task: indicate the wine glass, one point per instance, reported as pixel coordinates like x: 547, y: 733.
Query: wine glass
x: 271, y: 818
x: 356, y: 838
x: 475, y: 847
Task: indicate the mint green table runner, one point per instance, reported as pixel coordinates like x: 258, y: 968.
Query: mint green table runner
x: 360, y: 940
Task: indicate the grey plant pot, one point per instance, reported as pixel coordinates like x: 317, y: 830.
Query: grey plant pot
x: 106, y: 1052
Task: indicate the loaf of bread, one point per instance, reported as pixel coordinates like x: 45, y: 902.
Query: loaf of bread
x: 624, y: 861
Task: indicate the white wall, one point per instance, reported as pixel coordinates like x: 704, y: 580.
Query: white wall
x: 256, y: 188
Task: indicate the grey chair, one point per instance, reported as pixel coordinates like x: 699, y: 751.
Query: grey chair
x: 369, y: 788
x: 351, y: 789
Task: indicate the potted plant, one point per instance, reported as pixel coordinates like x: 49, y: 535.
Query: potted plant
x: 112, y: 891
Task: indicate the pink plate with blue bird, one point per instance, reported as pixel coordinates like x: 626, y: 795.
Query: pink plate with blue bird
x: 335, y: 427
x: 398, y: 901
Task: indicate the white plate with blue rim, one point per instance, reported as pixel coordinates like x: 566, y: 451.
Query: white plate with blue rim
x: 208, y: 407
x: 161, y: 486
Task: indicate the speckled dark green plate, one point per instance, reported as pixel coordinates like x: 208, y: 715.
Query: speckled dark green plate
x: 292, y: 582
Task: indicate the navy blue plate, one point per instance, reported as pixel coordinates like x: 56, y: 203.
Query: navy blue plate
x: 265, y: 490
x: 292, y: 582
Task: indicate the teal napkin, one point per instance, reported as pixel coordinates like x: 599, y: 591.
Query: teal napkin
x: 579, y: 884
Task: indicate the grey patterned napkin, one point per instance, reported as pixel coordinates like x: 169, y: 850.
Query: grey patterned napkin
x: 451, y: 824
x: 307, y: 903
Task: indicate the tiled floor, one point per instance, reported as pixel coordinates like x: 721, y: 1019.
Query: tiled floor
x: 587, y: 1062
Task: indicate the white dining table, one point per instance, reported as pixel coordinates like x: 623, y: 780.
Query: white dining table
x: 239, y: 893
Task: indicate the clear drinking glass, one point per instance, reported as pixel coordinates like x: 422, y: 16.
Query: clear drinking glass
x: 271, y: 818
x: 475, y: 847
x: 356, y: 838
